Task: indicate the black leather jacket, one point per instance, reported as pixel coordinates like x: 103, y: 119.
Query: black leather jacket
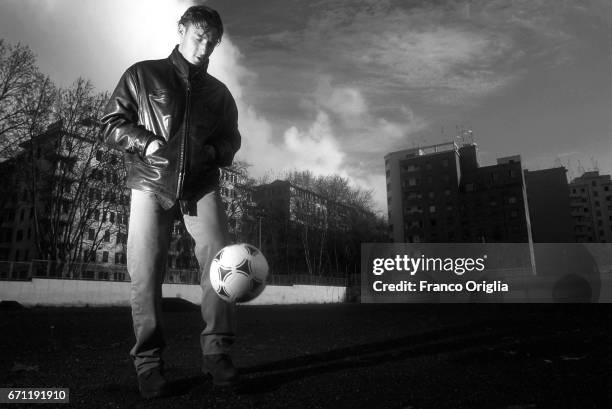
x: 192, y: 112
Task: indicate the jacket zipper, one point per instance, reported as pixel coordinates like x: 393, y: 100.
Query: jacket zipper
x: 182, y: 159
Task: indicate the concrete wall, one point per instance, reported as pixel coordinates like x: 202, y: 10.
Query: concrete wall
x: 57, y: 292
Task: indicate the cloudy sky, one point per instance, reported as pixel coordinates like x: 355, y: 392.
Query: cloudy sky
x: 334, y: 85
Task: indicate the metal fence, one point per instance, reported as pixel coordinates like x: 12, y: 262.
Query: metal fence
x: 25, y: 271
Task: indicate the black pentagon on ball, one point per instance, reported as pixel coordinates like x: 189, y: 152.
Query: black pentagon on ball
x: 223, y: 292
x: 223, y: 272
x: 244, y: 266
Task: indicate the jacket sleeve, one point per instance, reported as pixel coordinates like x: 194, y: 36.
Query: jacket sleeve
x: 229, y: 143
x: 120, y: 127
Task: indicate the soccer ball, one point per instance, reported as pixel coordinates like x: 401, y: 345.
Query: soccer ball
x: 238, y: 272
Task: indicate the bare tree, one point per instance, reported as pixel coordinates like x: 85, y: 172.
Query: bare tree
x: 77, y: 196
x: 333, y: 187
x: 237, y: 193
x: 26, y: 100
x: 25, y: 97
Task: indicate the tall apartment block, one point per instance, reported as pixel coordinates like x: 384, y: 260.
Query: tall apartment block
x: 286, y: 201
x: 96, y: 224
x: 51, y: 167
x: 440, y: 193
x: 548, y: 194
x: 591, y: 207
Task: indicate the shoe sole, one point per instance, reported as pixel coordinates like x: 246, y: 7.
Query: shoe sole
x: 155, y: 394
x: 233, y: 382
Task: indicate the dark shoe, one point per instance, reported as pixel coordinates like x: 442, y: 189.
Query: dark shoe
x: 221, y: 368
x: 152, y: 384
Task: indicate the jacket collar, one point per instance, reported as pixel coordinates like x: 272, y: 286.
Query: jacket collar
x: 183, y: 66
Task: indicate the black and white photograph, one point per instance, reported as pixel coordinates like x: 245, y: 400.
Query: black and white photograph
x: 306, y: 204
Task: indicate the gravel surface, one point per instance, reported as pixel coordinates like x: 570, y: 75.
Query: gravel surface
x: 329, y: 356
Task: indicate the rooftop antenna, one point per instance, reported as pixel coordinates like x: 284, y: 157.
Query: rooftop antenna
x: 594, y: 164
x: 459, y: 132
x: 580, y: 168
x: 569, y: 170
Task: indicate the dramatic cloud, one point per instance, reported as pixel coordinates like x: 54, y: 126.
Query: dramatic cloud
x: 333, y: 85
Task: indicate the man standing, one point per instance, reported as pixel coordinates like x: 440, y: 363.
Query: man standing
x: 177, y: 125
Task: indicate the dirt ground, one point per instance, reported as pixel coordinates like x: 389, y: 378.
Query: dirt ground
x: 322, y: 356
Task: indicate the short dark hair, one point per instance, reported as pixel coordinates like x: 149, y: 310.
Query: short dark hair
x: 204, y: 17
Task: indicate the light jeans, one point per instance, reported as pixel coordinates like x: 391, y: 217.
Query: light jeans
x: 147, y: 252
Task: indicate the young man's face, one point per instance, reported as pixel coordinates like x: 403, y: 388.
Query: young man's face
x: 196, y: 43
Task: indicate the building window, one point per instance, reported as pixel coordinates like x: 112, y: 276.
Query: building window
x: 416, y: 224
x: 121, y: 238
x: 432, y: 209
x: 105, y: 256
x: 106, y: 236
x: 512, y: 199
x: 19, y: 235
x: 8, y: 235
x: 414, y: 209
x: 89, y: 255
x: 91, y: 234
x: 412, y: 182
